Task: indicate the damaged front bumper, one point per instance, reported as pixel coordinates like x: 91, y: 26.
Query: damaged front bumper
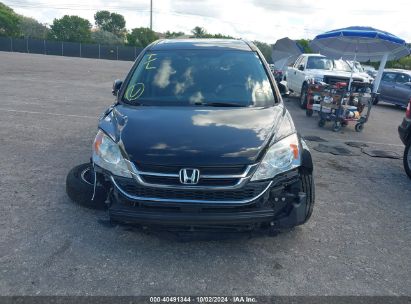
x: 279, y: 204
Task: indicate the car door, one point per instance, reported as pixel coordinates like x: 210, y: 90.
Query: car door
x: 292, y: 73
x: 300, y: 75
x: 387, y: 86
x: 402, y: 89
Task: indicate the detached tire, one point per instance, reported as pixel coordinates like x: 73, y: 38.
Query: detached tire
x: 407, y: 159
x: 80, y: 187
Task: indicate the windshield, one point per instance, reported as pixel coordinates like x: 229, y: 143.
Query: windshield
x: 319, y: 63
x: 357, y: 66
x: 200, y: 77
x: 341, y: 65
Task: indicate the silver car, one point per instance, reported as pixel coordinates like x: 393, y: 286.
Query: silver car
x: 395, y: 87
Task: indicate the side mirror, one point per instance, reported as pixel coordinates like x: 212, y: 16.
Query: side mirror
x: 301, y: 67
x: 116, y: 86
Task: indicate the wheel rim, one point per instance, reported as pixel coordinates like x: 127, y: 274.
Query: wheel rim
x: 87, y: 176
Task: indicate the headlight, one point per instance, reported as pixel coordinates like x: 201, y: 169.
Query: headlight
x: 107, y: 155
x: 280, y: 157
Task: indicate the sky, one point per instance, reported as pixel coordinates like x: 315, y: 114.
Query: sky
x: 263, y: 20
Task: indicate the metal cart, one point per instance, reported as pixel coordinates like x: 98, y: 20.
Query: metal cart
x: 336, y: 104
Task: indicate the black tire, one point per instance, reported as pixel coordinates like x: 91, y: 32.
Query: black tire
x: 375, y: 101
x: 309, y: 112
x: 80, y: 187
x: 359, y: 127
x: 407, y: 159
x: 337, y: 126
x: 308, y: 186
x: 303, y: 96
x: 321, y: 123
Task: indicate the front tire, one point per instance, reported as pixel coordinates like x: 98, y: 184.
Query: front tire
x: 307, y: 185
x: 407, y: 159
x: 80, y: 187
x: 303, y: 96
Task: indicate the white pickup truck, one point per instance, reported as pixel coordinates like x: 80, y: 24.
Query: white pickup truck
x: 315, y: 67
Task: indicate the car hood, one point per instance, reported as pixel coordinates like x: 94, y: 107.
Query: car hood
x: 334, y: 73
x: 192, y: 135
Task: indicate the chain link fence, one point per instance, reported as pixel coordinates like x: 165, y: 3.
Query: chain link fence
x: 70, y: 49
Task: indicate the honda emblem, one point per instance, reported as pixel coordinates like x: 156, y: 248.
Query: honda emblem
x: 189, y: 176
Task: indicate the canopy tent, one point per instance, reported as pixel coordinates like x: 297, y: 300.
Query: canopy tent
x: 285, y: 51
x: 361, y: 44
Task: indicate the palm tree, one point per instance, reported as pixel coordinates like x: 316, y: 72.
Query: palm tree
x: 198, y: 32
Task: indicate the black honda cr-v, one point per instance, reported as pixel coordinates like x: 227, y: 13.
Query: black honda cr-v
x: 199, y: 137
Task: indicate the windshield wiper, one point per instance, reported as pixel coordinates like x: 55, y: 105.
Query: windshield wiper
x: 221, y: 104
x: 131, y: 103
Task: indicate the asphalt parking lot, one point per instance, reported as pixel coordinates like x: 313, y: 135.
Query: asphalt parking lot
x: 358, y: 241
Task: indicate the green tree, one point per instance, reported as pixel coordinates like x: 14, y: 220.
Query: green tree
x: 9, y: 21
x: 266, y: 49
x: 221, y: 36
x: 305, y: 44
x: 141, y: 37
x: 170, y: 35
x: 31, y: 28
x: 110, y: 22
x: 199, y: 32
x: 70, y: 28
x: 104, y: 37
x: 402, y: 63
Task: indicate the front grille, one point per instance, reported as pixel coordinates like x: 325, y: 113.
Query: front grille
x: 333, y: 80
x: 249, y: 191
x: 172, y: 181
x: 210, y: 176
x: 205, y: 170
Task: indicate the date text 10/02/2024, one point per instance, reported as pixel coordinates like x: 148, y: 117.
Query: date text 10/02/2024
x: 199, y: 299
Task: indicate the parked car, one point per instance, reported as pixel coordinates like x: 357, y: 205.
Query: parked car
x: 395, y: 87
x: 370, y: 70
x: 279, y: 78
x: 405, y: 134
x: 199, y: 137
x: 315, y: 67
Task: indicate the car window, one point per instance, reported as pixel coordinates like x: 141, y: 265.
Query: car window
x: 356, y: 66
x: 199, y: 77
x: 342, y: 65
x: 389, y: 77
x: 402, y: 78
x: 319, y: 63
x: 298, y: 62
